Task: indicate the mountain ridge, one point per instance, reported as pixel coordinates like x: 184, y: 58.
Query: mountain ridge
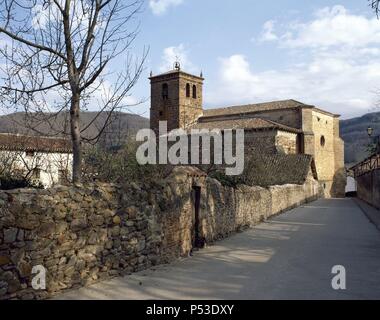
x: 354, y: 134
x: 121, y: 126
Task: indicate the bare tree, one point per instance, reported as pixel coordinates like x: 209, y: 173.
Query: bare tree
x: 59, y: 56
x: 7, y: 161
x: 375, y: 6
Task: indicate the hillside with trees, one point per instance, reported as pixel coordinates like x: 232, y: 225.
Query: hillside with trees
x: 108, y: 129
x: 354, y: 134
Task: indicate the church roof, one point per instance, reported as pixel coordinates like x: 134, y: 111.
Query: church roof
x: 271, y: 169
x: 175, y: 72
x: 18, y: 142
x: 265, y: 106
x: 279, y: 169
x: 247, y: 124
x: 259, y: 107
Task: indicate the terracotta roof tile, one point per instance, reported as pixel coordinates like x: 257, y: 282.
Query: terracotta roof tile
x: 247, y: 124
x: 279, y: 169
x: 175, y: 72
x: 16, y: 142
x: 260, y: 107
x: 274, y: 105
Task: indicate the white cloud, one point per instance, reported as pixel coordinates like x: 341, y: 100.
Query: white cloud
x: 337, y: 65
x: 330, y: 83
x: 159, y: 7
x: 334, y: 26
x: 172, y: 54
x: 268, y: 31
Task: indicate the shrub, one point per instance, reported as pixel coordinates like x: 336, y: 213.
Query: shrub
x: 119, y: 165
x: 266, y: 170
x: 225, y: 180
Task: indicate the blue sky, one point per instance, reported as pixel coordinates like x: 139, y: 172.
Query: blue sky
x: 324, y: 53
x: 321, y: 52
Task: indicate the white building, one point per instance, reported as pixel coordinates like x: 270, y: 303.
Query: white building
x: 42, y: 159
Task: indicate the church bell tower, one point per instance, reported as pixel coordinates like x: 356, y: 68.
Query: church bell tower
x: 176, y: 97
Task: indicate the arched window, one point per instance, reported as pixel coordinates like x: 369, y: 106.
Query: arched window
x: 323, y: 141
x: 194, y: 91
x: 165, y: 91
x: 187, y: 90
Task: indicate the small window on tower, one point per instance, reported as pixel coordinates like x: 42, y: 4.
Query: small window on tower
x: 194, y: 91
x: 161, y: 113
x: 323, y: 141
x: 165, y: 91
x: 187, y: 90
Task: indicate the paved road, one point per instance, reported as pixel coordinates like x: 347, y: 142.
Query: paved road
x: 288, y: 257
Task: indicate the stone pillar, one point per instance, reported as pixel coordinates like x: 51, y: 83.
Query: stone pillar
x: 307, y: 128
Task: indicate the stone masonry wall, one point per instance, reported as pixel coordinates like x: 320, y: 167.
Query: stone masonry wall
x: 260, y: 141
x: 288, y: 117
x: 83, y: 235
x: 229, y: 210
x: 368, y: 187
x: 179, y: 110
x: 287, y: 142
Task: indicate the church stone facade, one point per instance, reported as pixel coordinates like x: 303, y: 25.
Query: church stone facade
x: 177, y: 98
x: 287, y: 126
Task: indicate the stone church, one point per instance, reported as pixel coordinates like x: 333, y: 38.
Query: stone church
x: 288, y: 126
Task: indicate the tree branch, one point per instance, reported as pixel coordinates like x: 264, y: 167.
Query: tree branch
x: 31, y: 44
x: 36, y: 90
